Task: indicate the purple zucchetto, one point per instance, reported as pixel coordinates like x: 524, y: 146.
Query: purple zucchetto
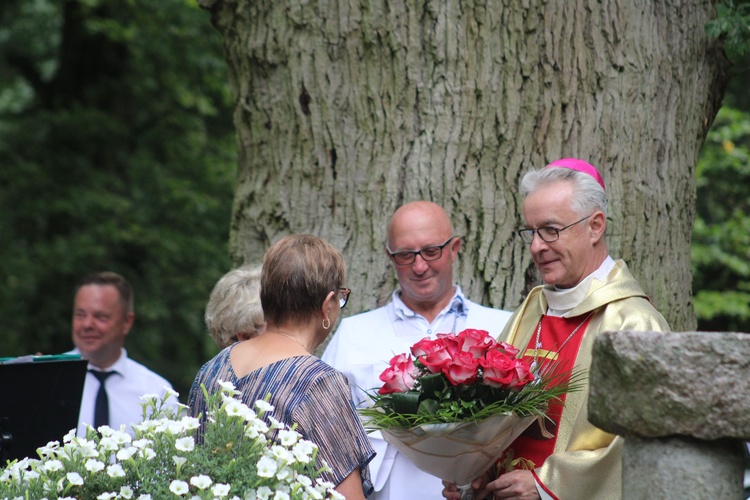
x: 580, y: 166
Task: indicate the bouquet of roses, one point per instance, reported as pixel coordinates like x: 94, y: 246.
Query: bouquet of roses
x: 461, y: 396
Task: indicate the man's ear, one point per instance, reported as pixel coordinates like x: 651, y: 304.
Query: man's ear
x: 129, y: 319
x: 455, y: 248
x: 598, y: 226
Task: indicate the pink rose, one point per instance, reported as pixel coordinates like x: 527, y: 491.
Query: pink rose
x: 399, y: 376
x: 437, y: 354
x: 477, y: 342
x: 508, y: 349
x: 426, y: 346
x: 463, y: 368
x: 499, y: 368
x: 449, y: 341
x: 523, y: 373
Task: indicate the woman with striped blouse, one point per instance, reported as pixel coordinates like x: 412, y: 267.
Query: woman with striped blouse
x: 301, y: 295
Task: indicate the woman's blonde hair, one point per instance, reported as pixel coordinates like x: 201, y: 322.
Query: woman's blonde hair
x: 234, y: 306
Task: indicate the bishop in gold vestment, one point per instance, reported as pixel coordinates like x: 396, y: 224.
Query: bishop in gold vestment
x: 585, y: 462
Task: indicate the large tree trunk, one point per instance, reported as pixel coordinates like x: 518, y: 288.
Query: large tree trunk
x: 348, y: 109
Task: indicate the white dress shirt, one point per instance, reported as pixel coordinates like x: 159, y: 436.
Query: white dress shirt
x: 361, y: 349
x: 124, y: 391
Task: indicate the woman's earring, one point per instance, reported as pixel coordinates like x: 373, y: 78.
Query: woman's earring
x: 326, y: 324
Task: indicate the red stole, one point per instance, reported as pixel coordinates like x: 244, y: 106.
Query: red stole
x: 530, y: 450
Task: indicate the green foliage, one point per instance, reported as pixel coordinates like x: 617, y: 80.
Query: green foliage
x: 116, y: 153
x: 720, y: 251
x: 732, y: 26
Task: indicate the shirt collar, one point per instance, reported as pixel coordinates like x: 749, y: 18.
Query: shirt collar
x: 457, y: 305
x: 120, y: 366
x: 561, y: 301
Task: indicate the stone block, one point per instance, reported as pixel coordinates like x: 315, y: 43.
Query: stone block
x: 681, y: 468
x: 654, y: 384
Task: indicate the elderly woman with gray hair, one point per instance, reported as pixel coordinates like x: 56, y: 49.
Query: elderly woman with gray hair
x: 233, y: 312
x: 302, y: 293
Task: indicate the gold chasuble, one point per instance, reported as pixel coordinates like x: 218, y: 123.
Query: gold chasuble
x: 580, y: 461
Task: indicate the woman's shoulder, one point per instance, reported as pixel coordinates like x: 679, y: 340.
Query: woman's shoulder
x: 311, y: 370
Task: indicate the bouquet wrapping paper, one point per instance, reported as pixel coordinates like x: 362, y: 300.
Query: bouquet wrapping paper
x: 458, y: 452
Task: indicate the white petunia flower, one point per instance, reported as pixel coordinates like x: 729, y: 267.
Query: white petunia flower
x: 235, y: 408
x: 107, y: 496
x: 105, y: 430
x: 267, y: 467
x: 281, y: 495
x: 86, y: 449
x: 288, y: 438
x: 227, y: 387
x: 52, y: 465
x: 74, y: 478
x: 179, y: 460
x: 179, y: 487
x: 264, y: 406
x: 304, y: 480
x: 185, y: 444
x: 126, y: 453
x: 147, y: 453
x: 115, y: 470
x: 145, y: 496
x: 257, y: 427
x: 169, y: 392
x: 144, y: 427
x: 49, y: 450
x: 201, y: 482
x: 108, y: 444
x: 142, y: 443
x: 284, y: 473
x: 126, y: 492
x: 121, y: 437
x: 281, y: 454
x: 175, y: 427
x: 276, y: 424
x: 67, y: 438
x: 335, y: 495
x: 264, y: 493
x: 303, y: 451
x: 324, y: 484
x: 220, y: 490
x: 313, y: 493
x: 149, y: 398
x: 93, y: 465
x: 190, y: 423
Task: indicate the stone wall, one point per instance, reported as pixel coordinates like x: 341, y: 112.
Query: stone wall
x: 681, y: 400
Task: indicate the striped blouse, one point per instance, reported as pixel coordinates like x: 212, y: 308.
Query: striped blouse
x: 306, y: 391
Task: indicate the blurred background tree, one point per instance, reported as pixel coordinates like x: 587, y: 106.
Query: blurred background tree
x: 720, y: 248
x: 116, y: 153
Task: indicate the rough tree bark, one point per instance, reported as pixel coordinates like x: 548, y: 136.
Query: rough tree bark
x: 347, y: 109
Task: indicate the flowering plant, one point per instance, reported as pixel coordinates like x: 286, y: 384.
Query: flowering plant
x: 246, y: 454
x: 458, y: 378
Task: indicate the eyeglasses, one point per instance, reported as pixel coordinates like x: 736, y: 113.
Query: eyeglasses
x: 548, y: 234
x: 428, y: 254
x: 344, y: 296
